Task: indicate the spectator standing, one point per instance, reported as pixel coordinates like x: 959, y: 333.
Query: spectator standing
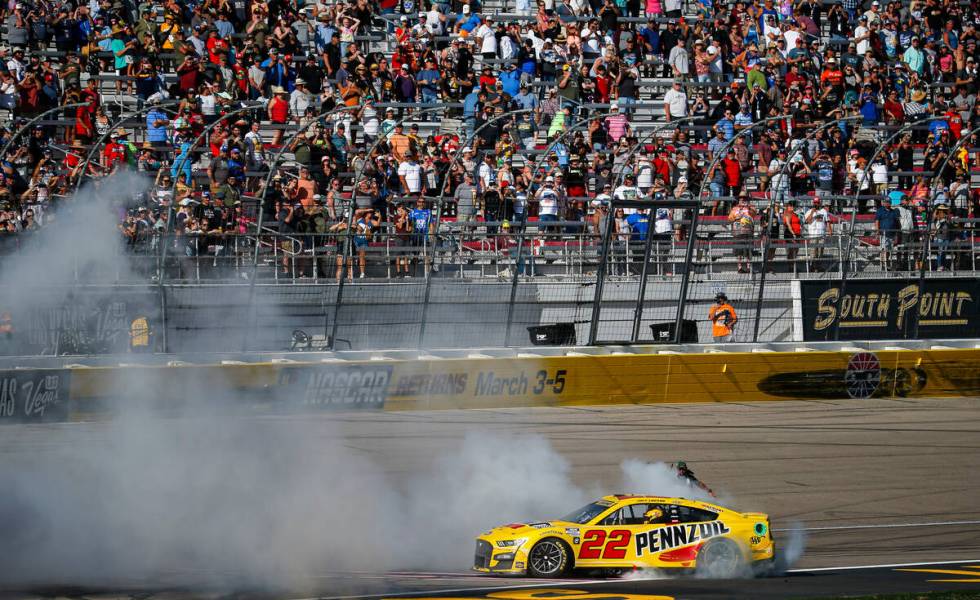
x: 723, y: 319
x: 818, y: 227
x: 741, y: 219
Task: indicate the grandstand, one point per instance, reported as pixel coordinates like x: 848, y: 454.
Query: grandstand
x: 810, y: 139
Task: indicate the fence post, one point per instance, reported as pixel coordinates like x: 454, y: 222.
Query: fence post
x: 644, y: 274
x: 688, y: 266
x: 514, y: 280
x: 428, y: 271
x: 766, y: 243
x: 601, y: 275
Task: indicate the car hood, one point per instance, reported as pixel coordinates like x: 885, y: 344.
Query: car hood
x: 516, y: 530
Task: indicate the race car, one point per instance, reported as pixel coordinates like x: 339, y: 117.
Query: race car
x: 625, y: 532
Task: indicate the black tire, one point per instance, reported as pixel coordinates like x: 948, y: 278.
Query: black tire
x: 548, y: 558
x: 720, y: 559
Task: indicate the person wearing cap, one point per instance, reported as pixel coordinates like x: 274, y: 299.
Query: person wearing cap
x: 914, y: 57
x: 818, y: 227
x: 486, y: 39
x: 675, y: 101
x: 888, y: 227
x: 723, y: 319
x: 300, y: 99
x: 742, y: 219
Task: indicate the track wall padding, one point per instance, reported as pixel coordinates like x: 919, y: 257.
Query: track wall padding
x: 530, y: 381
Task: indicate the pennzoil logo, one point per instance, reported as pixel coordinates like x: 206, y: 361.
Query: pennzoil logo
x: 674, y: 536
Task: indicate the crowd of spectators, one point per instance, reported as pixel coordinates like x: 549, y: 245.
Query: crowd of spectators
x: 519, y: 75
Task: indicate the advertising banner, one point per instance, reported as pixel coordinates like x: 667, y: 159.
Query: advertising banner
x: 884, y: 309
x: 343, y: 386
x: 34, y: 396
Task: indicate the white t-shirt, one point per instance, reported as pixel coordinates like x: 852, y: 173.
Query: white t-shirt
x: 879, y: 173
x: 489, y: 39
x: 677, y: 101
x: 792, y: 39
x: 370, y: 121
x: 862, y: 46
x: 817, y: 227
x: 412, y: 172
x: 644, y: 175
x: 207, y: 104
x: 626, y: 192
x: 548, y: 201
x: 663, y: 223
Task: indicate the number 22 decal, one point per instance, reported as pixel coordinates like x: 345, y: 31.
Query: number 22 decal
x: 615, y: 544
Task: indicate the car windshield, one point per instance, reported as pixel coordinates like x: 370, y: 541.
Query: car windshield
x: 587, y: 512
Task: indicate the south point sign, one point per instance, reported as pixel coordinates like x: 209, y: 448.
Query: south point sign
x: 890, y: 309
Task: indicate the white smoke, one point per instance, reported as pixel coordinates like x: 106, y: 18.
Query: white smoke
x: 792, y: 544
x: 203, y: 498
x: 660, y: 479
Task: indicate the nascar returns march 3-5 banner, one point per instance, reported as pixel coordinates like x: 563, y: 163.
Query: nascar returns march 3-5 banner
x: 876, y: 309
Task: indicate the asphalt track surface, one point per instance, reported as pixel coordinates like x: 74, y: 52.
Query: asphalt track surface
x: 873, y: 483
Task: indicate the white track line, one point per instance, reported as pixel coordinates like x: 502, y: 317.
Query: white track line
x: 891, y: 566
x: 881, y: 526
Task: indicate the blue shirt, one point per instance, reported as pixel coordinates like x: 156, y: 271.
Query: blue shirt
x: 639, y: 224
x: 887, y: 219
x: 511, y: 81
x: 154, y: 133
x: 728, y: 127
x: 468, y: 23
x: 469, y: 103
x: 526, y: 101
x: 652, y: 37
x: 421, y: 218
x: 428, y: 80
x: 225, y: 28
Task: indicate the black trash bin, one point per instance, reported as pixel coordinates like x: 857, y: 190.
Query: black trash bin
x: 559, y: 334
x: 663, y: 333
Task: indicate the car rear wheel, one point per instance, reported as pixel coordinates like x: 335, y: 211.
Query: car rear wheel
x: 548, y: 558
x: 720, y: 559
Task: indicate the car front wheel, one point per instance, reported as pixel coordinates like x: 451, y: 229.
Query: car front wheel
x: 548, y: 558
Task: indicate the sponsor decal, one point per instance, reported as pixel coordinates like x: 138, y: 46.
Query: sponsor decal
x: 864, y: 377
x: 340, y: 386
x: 674, y: 536
x: 540, y: 525
x: 29, y: 396
x: 571, y: 531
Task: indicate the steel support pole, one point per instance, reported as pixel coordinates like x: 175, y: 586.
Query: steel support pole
x: 601, y: 278
x: 641, y: 296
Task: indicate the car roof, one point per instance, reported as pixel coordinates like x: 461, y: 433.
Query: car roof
x: 617, y: 499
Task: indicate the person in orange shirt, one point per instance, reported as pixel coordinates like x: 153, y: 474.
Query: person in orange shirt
x: 723, y: 318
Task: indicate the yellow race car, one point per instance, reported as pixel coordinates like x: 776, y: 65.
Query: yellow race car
x: 625, y: 532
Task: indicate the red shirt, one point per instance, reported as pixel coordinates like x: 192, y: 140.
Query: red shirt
x: 112, y: 154
x: 733, y: 171
x: 279, y: 109
x: 955, y: 123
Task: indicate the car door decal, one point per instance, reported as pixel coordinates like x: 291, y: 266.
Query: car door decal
x: 592, y: 541
x: 596, y: 544
x: 616, y: 545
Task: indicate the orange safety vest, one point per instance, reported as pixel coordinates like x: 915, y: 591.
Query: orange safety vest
x: 721, y: 324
